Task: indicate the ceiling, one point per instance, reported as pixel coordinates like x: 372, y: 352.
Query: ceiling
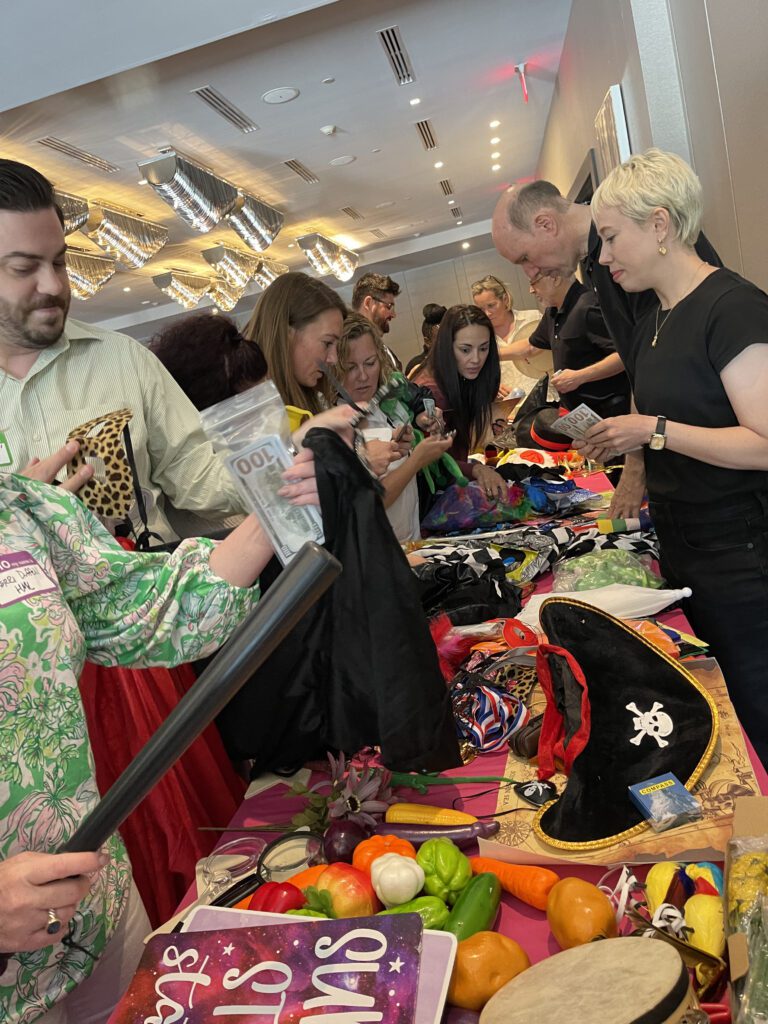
x: 463, y: 58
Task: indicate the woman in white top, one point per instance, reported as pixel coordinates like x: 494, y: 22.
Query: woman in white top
x: 494, y: 298
x: 363, y: 367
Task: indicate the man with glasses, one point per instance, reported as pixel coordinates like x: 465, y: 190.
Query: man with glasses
x: 374, y: 298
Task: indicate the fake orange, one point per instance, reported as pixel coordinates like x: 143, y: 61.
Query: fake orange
x: 485, y: 962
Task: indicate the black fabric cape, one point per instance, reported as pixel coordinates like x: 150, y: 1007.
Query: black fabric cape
x: 361, y: 668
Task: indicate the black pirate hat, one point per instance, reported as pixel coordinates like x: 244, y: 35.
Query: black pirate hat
x: 619, y: 711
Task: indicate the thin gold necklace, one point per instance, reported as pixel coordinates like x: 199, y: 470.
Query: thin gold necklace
x: 687, y: 292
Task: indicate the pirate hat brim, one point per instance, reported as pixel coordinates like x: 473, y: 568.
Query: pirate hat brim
x: 624, y: 712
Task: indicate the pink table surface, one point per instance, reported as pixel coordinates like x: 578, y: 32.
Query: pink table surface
x: 525, y: 924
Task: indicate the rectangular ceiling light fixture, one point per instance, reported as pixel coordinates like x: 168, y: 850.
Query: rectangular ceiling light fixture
x: 256, y: 222
x: 329, y: 258
x: 269, y: 271
x: 397, y: 55
x: 88, y: 273
x: 74, y: 210
x: 198, y: 195
x: 426, y: 134
x: 132, y: 240
x: 224, y: 294
x: 225, y: 108
x: 238, y: 268
x: 186, y: 289
x: 67, y: 149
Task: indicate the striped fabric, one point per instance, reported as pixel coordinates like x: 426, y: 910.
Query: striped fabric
x: 89, y: 372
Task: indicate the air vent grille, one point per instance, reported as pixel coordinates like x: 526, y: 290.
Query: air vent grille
x: 427, y: 134
x: 303, y: 172
x: 456, y: 212
x: 352, y: 212
x: 377, y: 233
x: 224, y: 108
x: 397, y: 55
x: 446, y: 187
x: 78, y: 154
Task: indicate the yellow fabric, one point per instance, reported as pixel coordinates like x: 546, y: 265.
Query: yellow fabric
x: 89, y: 372
x: 297, y: 416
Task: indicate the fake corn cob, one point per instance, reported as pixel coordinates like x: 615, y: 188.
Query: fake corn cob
x: 426, y: 814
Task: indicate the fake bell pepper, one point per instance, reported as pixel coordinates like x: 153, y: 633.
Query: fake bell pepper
x: 367, y: 851
x: 704, y: 916
x: 446, y: 870
x: 476, y: 908
x: 396, y: 879
x: 432, y: 911
x: 277, y: 898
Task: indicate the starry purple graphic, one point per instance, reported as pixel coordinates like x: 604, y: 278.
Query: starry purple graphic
x: 366, y: 968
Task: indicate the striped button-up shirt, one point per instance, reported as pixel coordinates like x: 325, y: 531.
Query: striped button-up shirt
x: 89, y: 372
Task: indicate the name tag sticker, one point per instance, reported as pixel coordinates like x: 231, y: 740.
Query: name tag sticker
x: 22, y: 577
x: 6, y: 459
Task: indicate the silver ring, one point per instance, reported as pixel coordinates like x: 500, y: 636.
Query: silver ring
x: 54, y: 923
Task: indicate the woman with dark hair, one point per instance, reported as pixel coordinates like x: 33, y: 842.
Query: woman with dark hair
x: 297, y: 323
x: 209, y: 358
x: 433, y: 314
x: 462, y: 372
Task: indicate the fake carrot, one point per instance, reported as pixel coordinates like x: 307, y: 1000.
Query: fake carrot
x: 307, y: 877
x: 525, y: 882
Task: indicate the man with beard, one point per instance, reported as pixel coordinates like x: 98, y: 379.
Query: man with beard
x: 374, y: 298
x: 57, y: 373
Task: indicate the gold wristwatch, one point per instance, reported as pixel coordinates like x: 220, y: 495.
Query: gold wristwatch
x: 658, y: 438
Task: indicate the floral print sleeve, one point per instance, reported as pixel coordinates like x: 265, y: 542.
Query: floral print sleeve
x: 67, y: 591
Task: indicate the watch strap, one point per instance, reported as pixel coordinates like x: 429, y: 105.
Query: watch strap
x: 661, y: 426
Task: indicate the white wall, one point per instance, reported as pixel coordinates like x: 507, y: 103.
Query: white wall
x: 447, y: 283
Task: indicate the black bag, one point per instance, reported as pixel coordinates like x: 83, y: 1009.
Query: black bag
x: 455, y: 589
x: 361, y: 668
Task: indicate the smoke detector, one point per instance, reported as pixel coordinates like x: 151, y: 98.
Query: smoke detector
x: 329, y: 129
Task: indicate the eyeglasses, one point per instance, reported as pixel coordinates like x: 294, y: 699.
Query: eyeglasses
x: 390, y: 305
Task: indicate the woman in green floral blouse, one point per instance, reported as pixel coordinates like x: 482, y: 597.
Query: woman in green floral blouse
x: 68, y: 591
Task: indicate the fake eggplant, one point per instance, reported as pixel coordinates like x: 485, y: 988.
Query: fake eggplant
x: 461, y: 835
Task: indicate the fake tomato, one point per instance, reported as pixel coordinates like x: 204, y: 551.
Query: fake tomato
x: 367, y: 852
x: 485, y: 962
x: 351, y: 891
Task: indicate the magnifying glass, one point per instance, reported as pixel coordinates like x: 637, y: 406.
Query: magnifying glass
x: 278, y: 861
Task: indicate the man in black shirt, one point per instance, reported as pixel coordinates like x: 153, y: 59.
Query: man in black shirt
x: 535, y: 227
x: 587, y: 367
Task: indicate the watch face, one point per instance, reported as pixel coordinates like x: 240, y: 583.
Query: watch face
x: 657, y: 442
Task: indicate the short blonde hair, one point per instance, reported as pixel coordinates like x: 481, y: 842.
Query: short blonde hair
x: 356, y: 326
x: 492, y: 284
x: 651, y: 180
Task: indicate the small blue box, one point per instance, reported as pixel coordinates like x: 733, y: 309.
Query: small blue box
x: 665, y: 802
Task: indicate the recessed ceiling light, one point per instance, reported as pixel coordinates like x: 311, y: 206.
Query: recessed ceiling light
x: 142, y: 181
x: 496, y: 167
x: 291, y: 245
x: 495, y: 140
x: 340, y: 161
x: 145, y: 302
x: 385, y: 204
x: 327, y: 81
x: 459, y: 223
x: 465, y: 245
x: 377, y: 150
x: 283, y: 94
x: 494, y: 124
x: 451, y: 202
x: 417, y: 234
x: 127, y: 288
x: 438, y: 165
x: 415, y: 101
x: 495, y: 156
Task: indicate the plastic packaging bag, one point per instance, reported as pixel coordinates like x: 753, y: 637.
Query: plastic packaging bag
x: 747, y: 912
x: 465, y: 508
x: 603, y: 567
x: 252, y: 433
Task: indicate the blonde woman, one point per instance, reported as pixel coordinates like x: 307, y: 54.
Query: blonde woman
x: 698, y: 365
x: 363, y: 367
x: 495, y: 299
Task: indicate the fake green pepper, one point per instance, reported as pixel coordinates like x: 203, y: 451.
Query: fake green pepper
x: 475, y: 910
x: 446, y: 870
x: 432, y: 911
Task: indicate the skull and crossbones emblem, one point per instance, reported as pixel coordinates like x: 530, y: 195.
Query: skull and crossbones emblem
x: 655, y: 723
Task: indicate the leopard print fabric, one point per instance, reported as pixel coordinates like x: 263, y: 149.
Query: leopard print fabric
x: 109, y: 492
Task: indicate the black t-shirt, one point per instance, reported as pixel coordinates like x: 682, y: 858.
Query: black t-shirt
x: 680, y: 379
x: 577, y: 336
x: 622, y: 310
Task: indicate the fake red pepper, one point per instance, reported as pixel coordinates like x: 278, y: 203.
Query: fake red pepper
x: 277, y: 898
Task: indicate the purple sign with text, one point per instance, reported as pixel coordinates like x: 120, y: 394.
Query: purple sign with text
x: 359, y: 971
